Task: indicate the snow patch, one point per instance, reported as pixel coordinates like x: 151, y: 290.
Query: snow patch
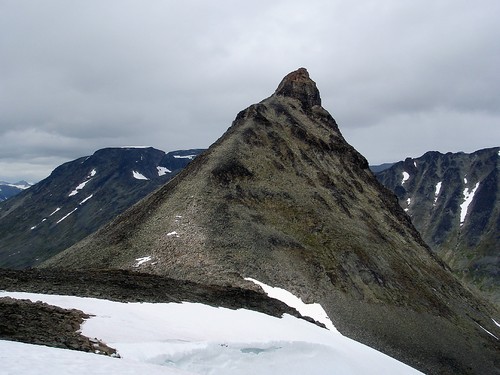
x: 313, y: 310
x: 488, y: 332
x: 415, y: 164
x: 142, y: 260
x: 173, y: 234
x: 139, y: 176
x: 192, y: 338
x: 468, y: 197
x: 163, y: 171
x: 79, y: 187
x: 494, y: 321
x: 57, y: 209
x: 64, y: 217
x: 86, y: 199
x: 191, y: 157
x: 92, y: 173
x: 406, y: 176
x: 437, y: 191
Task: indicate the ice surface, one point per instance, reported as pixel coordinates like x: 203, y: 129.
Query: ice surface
x: 139, y: 176
x: 196, y: 339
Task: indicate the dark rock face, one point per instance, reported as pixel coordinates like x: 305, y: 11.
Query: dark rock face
x: 299, y: 86
x: 281, y: 197
x: 79, y: 197
x: 435, y: 193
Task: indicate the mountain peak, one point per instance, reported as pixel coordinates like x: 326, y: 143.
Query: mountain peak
x: 299, y: 85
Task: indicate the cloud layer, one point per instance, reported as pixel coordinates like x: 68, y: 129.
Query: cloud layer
x: 400, y: 77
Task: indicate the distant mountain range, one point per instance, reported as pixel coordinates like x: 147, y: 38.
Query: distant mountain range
x: 453, y: 200
x: 78, y: 197
x: 8, y: 190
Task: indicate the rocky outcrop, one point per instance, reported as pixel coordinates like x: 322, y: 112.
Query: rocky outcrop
x: 43, y: 324
x: 282, y: 198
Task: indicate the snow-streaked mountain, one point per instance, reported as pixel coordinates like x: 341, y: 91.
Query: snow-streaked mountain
x: 78, y: 197
x: 453, y: 199
x: 8, y: 190
x: 193, y: 338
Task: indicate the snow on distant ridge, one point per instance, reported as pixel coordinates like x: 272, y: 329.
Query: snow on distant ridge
x: 468, y: 197
x: 437, y: 191
x: 139, y: 176
x: 192, y: 338
x: 163, y: 171
x: 184, y: 156
x: 79, y: 187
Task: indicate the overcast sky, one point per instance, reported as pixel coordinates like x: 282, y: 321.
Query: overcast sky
x: 401, y: 77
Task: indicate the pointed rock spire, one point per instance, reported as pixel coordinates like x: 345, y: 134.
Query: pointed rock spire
x: 298, y: 85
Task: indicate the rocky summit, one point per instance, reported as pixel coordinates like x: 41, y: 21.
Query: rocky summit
x: 282, y: 198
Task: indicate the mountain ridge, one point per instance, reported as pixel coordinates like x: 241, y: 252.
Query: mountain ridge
x: 282, y: 197
x: 454, y: 201
x: 78, y: 197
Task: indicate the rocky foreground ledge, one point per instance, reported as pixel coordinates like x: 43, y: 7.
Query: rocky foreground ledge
x: 40, y: 323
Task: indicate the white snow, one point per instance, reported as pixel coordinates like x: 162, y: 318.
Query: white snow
x: 57, y: 209
x: 174, y: 233
x: 408, y: 202
x: 184, y: 156
x: 19, y: 186
x: 139, y: 176
x: 406, y: 176
x: 437, y: 191
x: 415, y: 164
x: 92, y: 173
x: 192, y: 338
x: 86, y: 199
x: 142, y: 260
x: 494, y: 321
x: 468, y: 197
x: 163, y: 171
x: 488, y: 332
x: 79, y: 187
x: 313, y: 310
x: 65, y: 216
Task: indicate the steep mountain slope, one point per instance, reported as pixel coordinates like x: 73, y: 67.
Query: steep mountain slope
x: 77, y: 198
x: 8, y: 190
x: 453, y: 200
x: 282, y: 198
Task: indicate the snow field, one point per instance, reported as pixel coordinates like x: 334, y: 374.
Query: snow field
x: 192, y: 338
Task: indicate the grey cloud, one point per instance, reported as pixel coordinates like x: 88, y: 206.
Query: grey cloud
x: 78, y: 76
